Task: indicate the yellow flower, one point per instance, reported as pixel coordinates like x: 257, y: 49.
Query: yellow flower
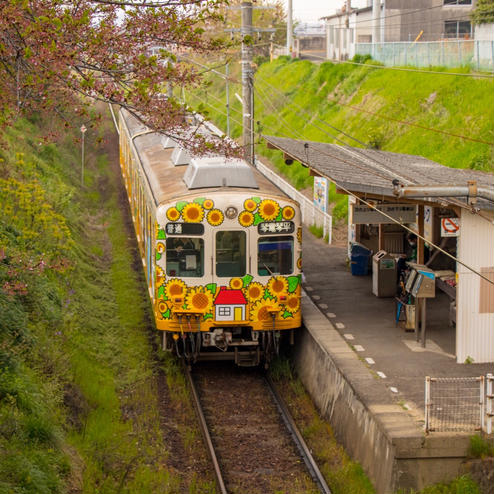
x: 173, y: 214
x: 208, y: 204
x: 299, y: 263
x: 193, y: 213
x: 245, y: 218
x: 255, y: 291
x: 292, y: 303
x: 236, y: 283
x: 175, y: 288
x: 288, y: 212
x: 199, y: 299
x: 160, y: 247
x: 215, y: 217
x: 277, y: 285
x: 250, y: 205
x: 269, y: 209
x: 160, y: 276
x: 162, y: 307
x: 260, y: 311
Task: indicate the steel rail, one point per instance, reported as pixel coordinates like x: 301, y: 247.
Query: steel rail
x: 204, y: 430
x: 298, y: 439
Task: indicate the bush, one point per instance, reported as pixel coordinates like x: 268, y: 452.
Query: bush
x: 480, y: 447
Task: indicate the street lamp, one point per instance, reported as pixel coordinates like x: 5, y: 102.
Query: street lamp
x: 83, y: 131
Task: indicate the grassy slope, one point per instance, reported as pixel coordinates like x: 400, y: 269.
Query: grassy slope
x: 79, y: 407
x: 298, y: 99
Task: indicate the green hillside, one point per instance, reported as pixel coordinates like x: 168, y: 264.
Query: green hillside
x: 79, y: 409
x: 303, y: 100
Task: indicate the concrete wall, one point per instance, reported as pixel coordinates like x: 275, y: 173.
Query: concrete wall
x: 389, y: 444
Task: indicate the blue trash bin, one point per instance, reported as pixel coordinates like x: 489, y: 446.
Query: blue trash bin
x: 359, y: 259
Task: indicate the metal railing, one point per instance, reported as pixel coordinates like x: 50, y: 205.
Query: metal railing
x: 477, y: 54
x: 456, y: 404
x: 489, y: 404
x: 311, y: 214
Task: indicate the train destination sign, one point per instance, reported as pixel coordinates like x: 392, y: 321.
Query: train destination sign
x: 405, y: 213
x: 270, y: 227
x: 184, y: 228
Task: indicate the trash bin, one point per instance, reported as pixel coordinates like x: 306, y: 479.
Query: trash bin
x: 359, y: 259
x: 383, y: 274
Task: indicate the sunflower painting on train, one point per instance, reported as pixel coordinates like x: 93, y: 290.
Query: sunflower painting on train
x: 242, y: 298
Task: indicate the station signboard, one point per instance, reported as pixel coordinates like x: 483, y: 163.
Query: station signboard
x: 321, y: 193
x: 404, y: 213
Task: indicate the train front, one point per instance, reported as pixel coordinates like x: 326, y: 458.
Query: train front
x: 228, y: 274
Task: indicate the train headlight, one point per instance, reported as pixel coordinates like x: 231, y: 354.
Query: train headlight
x: 231, y: 212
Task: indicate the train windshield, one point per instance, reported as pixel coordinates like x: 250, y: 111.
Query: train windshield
x: 275, y: 255
x: 185, y: 256
x: 230, y: 253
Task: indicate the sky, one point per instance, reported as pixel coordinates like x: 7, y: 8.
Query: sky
x: 312, y: 10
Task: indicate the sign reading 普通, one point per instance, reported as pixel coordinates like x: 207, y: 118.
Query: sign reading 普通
x: 404, y: 213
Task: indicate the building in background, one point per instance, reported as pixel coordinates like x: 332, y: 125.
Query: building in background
x: 387, y: 21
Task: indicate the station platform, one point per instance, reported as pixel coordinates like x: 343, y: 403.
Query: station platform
x: 368, y: 325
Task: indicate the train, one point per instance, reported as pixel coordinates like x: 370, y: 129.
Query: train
x: 221, y: 247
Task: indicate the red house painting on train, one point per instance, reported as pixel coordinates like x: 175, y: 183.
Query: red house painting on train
x: 230, y: 305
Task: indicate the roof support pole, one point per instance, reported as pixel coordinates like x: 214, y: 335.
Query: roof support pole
x: 420, y: 241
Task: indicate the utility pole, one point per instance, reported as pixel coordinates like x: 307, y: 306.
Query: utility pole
x: 289, y: 28
x: 227, y: 90
x: 246, y: 31
x: 247, y: 80
x: 376, y: 13
x: 83, y: 132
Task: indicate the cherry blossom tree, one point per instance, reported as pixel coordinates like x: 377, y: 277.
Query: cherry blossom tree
x: 59, y: 56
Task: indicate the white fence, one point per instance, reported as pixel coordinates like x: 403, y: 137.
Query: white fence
x: 311, y: 214
x: 459, y: 404
x: 477, y: 54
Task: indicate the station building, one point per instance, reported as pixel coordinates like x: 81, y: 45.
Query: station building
x: 394, y: 196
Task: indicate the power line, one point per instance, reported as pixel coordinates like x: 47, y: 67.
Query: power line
x: 402, y: 122
x: 372, y: 206
x: 310, y: 122
x: 216, y: 108
x: 401, y: 14
x: 366, y: 158
x: 402, y: 69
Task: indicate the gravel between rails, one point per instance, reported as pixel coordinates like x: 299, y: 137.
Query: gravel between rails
x: 254, y: 449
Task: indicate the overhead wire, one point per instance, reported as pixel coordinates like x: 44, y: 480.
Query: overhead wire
x: 403, y: 69
x: 393, y: 220
x: 400, y: 14
x: 354, y: 150
x: 369, y: 204
x: 384, y: 117
x: 366, y: 158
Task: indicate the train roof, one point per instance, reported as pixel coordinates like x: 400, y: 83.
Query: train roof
x: 173, y: 173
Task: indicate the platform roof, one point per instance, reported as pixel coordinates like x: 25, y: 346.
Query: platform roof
x: 370, y: 171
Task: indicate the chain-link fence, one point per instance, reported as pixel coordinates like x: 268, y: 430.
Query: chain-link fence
x: 454, y: 404
x: 477, y: 54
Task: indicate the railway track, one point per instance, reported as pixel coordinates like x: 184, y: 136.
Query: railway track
x: 252, y: 439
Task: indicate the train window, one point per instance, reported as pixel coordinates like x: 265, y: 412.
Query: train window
x: 275, y: 255
x: 230, y: 253
x: 185, y: 257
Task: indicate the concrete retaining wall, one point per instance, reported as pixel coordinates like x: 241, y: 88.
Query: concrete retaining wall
x: 389, y: 444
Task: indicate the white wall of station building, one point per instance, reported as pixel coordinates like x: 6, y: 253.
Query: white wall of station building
x: 475, y: 329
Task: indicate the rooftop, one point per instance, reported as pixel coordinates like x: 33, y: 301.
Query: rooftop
x: 371, y: 171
